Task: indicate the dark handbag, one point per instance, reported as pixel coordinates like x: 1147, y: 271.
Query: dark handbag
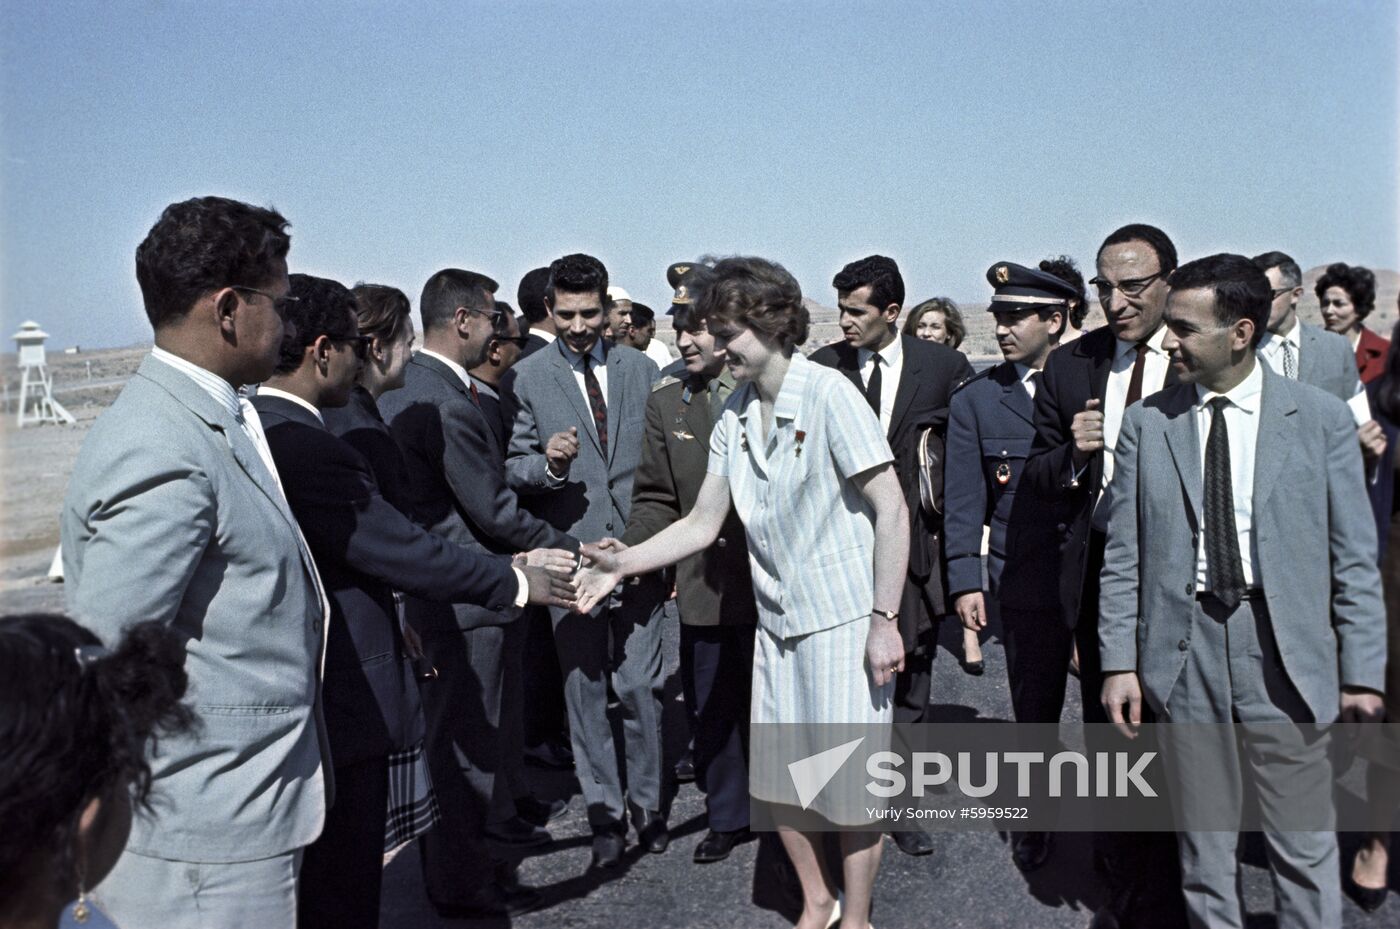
x: 930, y: 468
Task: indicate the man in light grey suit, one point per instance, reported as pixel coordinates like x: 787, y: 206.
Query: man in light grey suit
x: 582, y: 386
x: 1277, y: 617
x: 174, y: 512
x: 1310, y: 353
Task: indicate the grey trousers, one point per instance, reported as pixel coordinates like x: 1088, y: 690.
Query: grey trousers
x: 619, y: 641
x: 156, y: 893
x: 1233, y: 673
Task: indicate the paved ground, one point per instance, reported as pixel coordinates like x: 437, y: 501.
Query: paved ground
x: 968, y: 882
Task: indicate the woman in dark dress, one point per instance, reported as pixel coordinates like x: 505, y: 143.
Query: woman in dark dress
x: 1368, y: 873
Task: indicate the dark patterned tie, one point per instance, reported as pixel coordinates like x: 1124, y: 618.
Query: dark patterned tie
x: 596, y: 403
x: 872, y: 387
x: 1290, y: 367
x: 1224, y: 571
x: 1135, y: 382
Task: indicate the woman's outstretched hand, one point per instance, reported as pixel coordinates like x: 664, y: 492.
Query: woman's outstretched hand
x: 599, y: 575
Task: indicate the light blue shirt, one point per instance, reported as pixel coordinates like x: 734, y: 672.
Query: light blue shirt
x: 810, y: 531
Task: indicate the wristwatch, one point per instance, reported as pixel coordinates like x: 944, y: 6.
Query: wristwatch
x: 891, y: 615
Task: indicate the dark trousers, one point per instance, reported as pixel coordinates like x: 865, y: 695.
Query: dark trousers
x: 1144, y: 871
x: 341, y: 872
x: 717, y: 677
x: 1038, y: 646
x: 462, y: 707
x: 913, y: 685
x: 544, y: 715
x: 510, y: 781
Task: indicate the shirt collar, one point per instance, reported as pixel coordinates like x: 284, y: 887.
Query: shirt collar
x: 789, y: 395
x: 484, y: 388
x: 1244, y: 395
x: 1024, y: 372
x: 1272, y: 342
x: 265, y: 391
x: 889, y: 355
x: 1154, y: 343
x: 547, y: 336
x: 575, y: 360
x: 457, y: 369
x: 212, y: 384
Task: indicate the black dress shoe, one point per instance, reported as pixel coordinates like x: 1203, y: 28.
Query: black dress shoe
x: 1030, y: 850
x: 516, y: 831
x: 913, y: 843
x: 492, y: 903
x: 685, y: 768
x: 1369, y: 899
x: 652, y: 833
x: 551, y: 754
x: 716, y: 846
x: 607, y: 849
x: 975, y: 668
x: 539, y: 812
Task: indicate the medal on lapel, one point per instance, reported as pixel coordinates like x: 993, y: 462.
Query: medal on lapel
x: 1003, y: 473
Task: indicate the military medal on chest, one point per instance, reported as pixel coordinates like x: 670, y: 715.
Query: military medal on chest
x: 1003, y: 473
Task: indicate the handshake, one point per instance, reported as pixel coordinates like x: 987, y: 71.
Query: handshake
x: 577, y: 582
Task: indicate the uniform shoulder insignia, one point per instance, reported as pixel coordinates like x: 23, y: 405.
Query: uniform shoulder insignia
x: 666, y: 381
x: 976, y: 377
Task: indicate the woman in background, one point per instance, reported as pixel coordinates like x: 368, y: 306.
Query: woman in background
x: 1063, y: 267
x: 1347, y: 294
x: 937, y: 320
x: 75, y: 725
x: 1368, y: 877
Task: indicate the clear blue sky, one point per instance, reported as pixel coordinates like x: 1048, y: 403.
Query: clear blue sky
x: 400, y: 138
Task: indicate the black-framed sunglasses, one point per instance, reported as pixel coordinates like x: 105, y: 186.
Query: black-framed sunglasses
x: 496, y: 316
x: 359, y: 344
x: 280, y: 304
x: 1277, y: 292
x: 1132, y: 287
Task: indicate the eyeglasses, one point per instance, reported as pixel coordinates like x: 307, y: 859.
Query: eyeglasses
x: 1279, y: 292
x: 1133, y: 287
x: 280, y: 304
x: 520, y: 340
x: 359, y: 344
x: 496, y: 316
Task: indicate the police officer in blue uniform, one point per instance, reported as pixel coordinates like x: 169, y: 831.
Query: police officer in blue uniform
x: 990, y: 429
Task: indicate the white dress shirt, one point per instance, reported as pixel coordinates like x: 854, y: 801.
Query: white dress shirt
x: 1027, y: 374
x: 543, y: 334
x: 1154, y: 375
x: 1242, y: 424
x: 892, y: 363
x: 522, y: 593
x: 657, y: 351
x: 600, y: 371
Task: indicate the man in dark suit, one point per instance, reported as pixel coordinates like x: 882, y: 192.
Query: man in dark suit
x: 489, y: 379
x: 596, y: 393
x: 457, y: 489
x: 530, y: 296
x: 990, y: 429
x: 908, y: 382
x: 1084, y: 390
x: 714, y: 589
x: 364, y: 548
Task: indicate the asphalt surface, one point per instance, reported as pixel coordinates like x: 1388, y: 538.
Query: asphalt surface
x: 969, y: 880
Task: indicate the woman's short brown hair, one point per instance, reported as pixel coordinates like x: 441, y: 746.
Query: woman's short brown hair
x: 381, y: 310
x: 952, y: 319
x: 758, y: 294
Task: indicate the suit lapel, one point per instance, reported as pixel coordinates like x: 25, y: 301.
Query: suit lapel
x: 1307, y: 352
x: 617, y: 390
x: 1014, y: 395
x: 1185, y: 448
x: 909, y: 378
x: 443, y: 371
x: 564, y: 379
x: 1276, y: 434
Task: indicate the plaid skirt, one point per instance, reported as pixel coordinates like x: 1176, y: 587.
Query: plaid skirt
x: 413, y: 805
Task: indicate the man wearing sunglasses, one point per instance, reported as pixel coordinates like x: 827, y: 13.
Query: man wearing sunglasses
x: 365, y: 548
x: 489, y: 377
x: 1085, y: 389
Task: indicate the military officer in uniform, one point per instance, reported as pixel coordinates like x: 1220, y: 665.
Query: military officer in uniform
x: 990, y: 429
x: 714, y: 588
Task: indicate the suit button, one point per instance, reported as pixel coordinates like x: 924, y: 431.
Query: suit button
x: 1181, y: 645
x: 1003, y: 453
x: 1059, y: 527
x: 609, y: 527
x: 1190, y: 589
x: 722, y: 543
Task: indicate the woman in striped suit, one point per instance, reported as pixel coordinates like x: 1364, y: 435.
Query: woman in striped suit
x: 809, y: 471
